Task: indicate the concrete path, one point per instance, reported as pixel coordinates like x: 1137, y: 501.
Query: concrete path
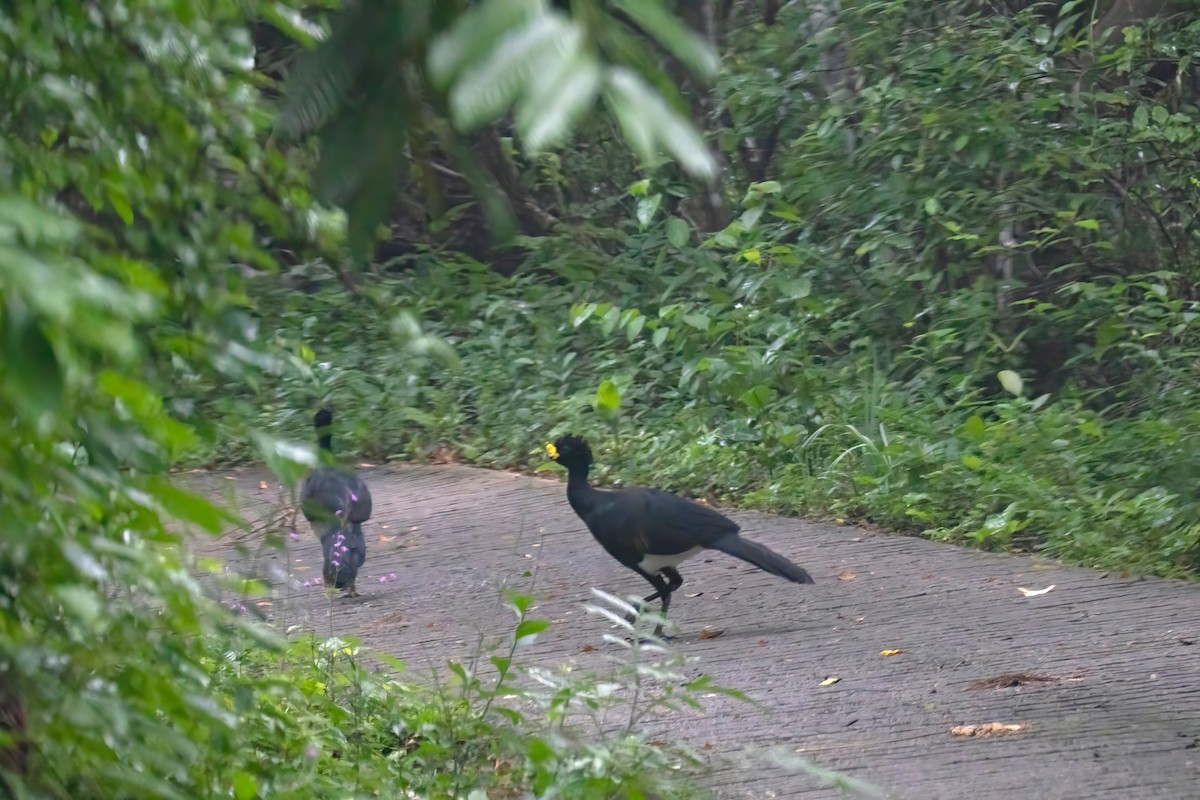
x: 1102, y: 672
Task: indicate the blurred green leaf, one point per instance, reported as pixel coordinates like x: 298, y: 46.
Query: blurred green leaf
x: 686, y: 45
x: 1011, y: 382
x: 490, y: 88
x: 531, y: 627
x: 245, y: 786
x: 648, y: 122
x: 558, y: 97
x: 608, y: 397
x: 678, y: 232
x: 189, y: 507
x: 474, y: 35
x: 31, y: 372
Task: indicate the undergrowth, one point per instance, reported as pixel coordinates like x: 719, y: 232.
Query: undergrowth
x: 741, y: 384
x: 326, y: 717
x: 953, y: 310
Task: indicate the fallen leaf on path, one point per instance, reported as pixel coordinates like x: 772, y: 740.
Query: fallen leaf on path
x: 762, y: 642
x: 383, y: 538
x: 696, y: 594
x: 587, y: 648
x: 710, y: 633
x: 829, y: 682
x: 846, y: 575
x: 890, y: 652
x: 986, y: 729
x: 262, y: 485
x: 1035, y: 592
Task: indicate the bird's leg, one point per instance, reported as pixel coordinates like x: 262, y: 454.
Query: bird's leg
x: 662, y: 589
x: 352, y: 588
x: 674, y: 581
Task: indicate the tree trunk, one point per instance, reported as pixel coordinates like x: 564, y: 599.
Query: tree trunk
x: 533, y: 220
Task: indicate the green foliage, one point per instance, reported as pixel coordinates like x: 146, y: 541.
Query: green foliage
x: 131, y: 139
x: 958, y: 298
x: 720, y: 392
x: 315, y: 720
x: 138, y: 190
x: 392, y: 74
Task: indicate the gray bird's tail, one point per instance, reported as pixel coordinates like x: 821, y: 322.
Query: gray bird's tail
x: 765, y: 559
x: 345, y: 550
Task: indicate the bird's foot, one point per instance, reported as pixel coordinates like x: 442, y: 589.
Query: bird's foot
x: 652, y: 640
x: 658, y: 637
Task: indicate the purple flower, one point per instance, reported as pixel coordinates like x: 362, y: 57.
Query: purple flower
x: 307, y: 584
x: 391, y: 576
x: 383, y: 579
x: 318, y: 581
x: 311, y: 751
x: 336, y: 563
x: 293, y: 535
x: 354, y: 497
x: 338, y: 512
x: 345, y: 549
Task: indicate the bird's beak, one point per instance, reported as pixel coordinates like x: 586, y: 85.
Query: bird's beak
x: 552, y: 451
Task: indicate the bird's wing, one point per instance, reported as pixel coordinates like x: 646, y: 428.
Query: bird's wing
x: 660, y: 523
x: 361, y: 506
x: 326, y: 491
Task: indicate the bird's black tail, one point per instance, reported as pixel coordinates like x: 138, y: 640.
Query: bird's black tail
x: 765, y: 559
x: 345, y: 550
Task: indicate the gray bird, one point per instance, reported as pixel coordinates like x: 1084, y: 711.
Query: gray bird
x: 336, y: 502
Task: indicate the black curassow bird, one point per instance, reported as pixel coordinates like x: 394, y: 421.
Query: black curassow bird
x: 336, y: 502
x: 652, y: 532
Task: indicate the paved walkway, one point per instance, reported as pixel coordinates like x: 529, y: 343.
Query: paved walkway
x: 1102, y: 672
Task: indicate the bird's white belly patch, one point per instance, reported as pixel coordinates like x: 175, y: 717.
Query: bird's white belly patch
x: 652, y: 563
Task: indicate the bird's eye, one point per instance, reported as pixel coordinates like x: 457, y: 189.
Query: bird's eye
x: 552, y: 451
